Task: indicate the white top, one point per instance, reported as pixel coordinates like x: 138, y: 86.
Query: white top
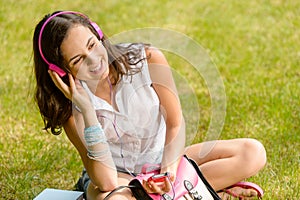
x: 137, y: 130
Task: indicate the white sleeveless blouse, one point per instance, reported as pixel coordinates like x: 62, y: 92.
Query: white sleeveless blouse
x: 137, y: 130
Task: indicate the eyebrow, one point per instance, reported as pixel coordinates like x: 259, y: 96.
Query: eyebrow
x: 87, y: 44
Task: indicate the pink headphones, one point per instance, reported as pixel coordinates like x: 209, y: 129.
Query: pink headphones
x: 52, y: 66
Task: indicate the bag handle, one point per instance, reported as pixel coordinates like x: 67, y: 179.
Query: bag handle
x: 146, y: 169
x: 118, y: 188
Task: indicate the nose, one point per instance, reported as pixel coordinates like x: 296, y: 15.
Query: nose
x: 92, y: 58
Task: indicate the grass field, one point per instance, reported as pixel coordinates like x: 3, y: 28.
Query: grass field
x: 255, y: 46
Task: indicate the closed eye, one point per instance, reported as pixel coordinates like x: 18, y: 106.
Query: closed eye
x: 91, y: 45
x: 77, y: 61
x: 77, y: 58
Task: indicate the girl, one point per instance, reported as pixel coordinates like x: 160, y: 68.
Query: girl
x: 119, y: 108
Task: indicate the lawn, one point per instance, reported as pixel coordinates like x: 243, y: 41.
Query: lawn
x: 253, y: 47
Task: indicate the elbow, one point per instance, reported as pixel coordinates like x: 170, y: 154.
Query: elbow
x: 176, y: 123
x: 103, y: 176
x: 107, y: 187
x: 106, y: 181
x: 176, y: 127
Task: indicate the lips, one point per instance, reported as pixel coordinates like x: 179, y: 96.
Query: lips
x: 98, y: 68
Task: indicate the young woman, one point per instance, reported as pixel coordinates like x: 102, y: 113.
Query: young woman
x: 119, y: 108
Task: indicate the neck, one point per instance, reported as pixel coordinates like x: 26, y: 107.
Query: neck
x: 102, y: 89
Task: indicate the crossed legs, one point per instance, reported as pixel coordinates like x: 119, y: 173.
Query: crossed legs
x: 226, y: 162
x: 223, y: 163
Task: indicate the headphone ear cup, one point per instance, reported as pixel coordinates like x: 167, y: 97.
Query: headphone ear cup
x: 57, y: 69
x: 97, y: 28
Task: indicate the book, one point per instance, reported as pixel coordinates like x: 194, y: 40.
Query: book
x: 51, y: 194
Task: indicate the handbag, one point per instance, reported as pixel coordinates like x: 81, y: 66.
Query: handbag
x: 189, y: 184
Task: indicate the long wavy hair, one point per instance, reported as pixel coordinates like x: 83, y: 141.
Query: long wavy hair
x: 54, y: 107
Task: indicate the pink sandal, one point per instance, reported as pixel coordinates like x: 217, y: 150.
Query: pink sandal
x: 245, y: 185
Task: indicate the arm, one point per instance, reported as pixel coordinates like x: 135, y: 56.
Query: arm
x: 102, y: 174
x: 163, y: 83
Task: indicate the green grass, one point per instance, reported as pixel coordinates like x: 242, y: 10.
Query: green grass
x: 254, y: 44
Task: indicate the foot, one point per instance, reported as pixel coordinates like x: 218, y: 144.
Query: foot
x: 238, y: 193
x: 242, y: 190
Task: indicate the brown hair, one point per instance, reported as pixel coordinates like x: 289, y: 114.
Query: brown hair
x: 54, y: 107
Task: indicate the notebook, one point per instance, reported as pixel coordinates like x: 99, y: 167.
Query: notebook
x: 50, y: 194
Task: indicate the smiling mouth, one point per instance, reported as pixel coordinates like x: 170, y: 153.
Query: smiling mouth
x: 98, y: 68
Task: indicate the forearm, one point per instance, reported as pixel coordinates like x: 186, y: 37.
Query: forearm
x: 101, y: 171
x: 100, y: 162
x: 89, y: 116
x: 96, y: 156
x: 103, y: 175
x: 174, y: 145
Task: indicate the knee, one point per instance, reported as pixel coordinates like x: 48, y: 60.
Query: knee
x: 253, y: 155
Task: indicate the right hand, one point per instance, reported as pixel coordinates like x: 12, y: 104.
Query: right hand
x: 75, y: 92
x: 159, y: 187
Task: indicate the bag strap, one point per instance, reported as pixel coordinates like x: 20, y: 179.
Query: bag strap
x: 208, y: 186
x: 138, y: 191
x: 118, y: 188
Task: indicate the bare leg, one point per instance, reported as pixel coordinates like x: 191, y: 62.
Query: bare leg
x: 227, y: 162
x: 124, y: 194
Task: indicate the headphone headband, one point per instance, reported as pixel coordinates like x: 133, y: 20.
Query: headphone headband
x: 54, y: 67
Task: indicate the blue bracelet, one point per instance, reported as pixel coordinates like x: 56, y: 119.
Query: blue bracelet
x: 94, y: 135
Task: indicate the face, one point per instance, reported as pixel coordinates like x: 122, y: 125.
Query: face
x: 85, y: 55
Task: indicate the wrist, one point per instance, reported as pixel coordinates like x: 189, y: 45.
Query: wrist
x: 86, y: 109
x: 96, y: 142
x: 93, y: 135
x: 89, y: 116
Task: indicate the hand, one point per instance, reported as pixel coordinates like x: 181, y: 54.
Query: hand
x: 75, y: 92
x: 171, y: 169
x: 159, y: 187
